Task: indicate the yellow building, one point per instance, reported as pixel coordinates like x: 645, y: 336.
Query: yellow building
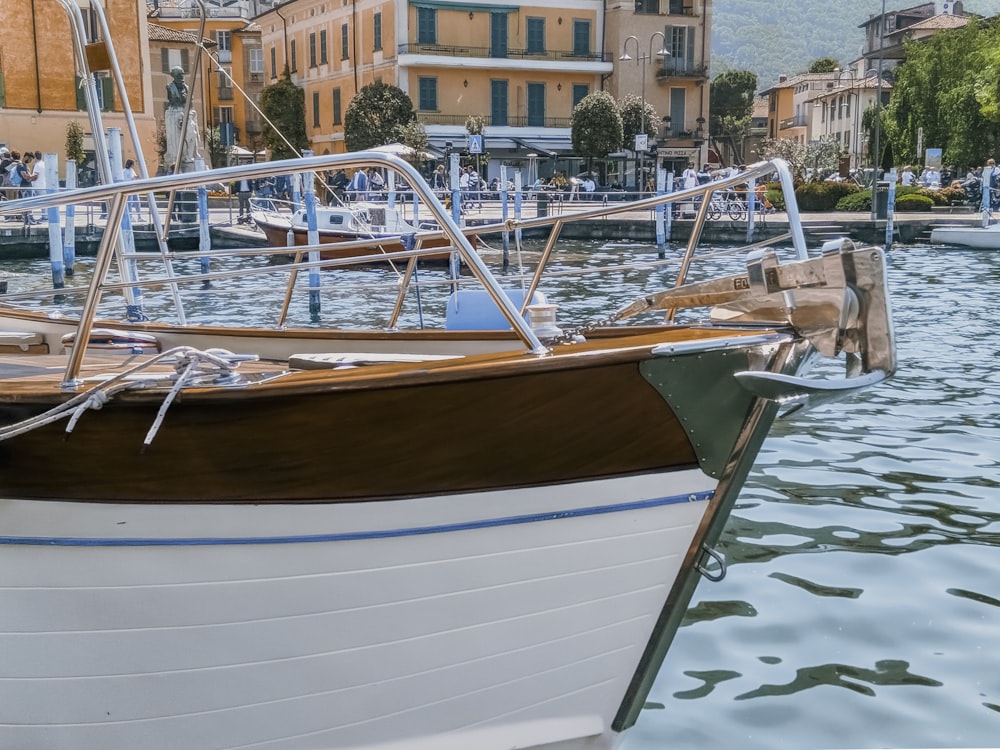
x: 668, y: 43
x: 790, y: 102
x: 520, y: 68
x: 39, y: 81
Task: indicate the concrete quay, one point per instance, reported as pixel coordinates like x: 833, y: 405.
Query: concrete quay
x: 20, y: 241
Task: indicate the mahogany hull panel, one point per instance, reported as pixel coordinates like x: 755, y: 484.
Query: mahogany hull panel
x: 535, y: 428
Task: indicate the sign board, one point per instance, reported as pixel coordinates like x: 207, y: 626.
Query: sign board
x: 933, y: 158
x: 641, y: 141
x: 676, y: 153
x: 475, y: 144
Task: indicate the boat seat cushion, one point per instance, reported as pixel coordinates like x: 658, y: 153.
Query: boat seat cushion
x: 24, y: 342
x: 113, y: 341
x: 331, y: 360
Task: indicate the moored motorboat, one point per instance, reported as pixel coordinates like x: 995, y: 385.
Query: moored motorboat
x: 982, y: 238
x: 379, y: 225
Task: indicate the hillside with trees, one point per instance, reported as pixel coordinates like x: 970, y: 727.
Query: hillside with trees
x: 775, y: 37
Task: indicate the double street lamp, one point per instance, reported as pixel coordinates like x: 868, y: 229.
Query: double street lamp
x: 857, y: 105
x: 878, y: 110
x: 642, y: 60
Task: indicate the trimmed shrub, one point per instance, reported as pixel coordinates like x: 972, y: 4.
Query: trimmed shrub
x: 822, y: 196
x: 775, y: 196
x: 859, y: 201
x: 914, y: 202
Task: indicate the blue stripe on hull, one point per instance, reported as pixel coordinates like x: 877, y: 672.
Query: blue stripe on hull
x: 355, y: 535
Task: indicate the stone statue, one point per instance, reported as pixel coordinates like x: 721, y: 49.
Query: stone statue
x: 177, y: 94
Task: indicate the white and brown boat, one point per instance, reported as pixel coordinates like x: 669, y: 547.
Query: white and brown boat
x: 380, y: 227
x: 428, y: 538
x: 439, y: 528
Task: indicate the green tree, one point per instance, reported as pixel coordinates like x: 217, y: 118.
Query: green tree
x: 946, y: 95
x: 376, y: 116
x: 596, y: 127
x: 731, y: 106
x: 74, y: 143
x: 284, y: 104
x: 216, y: 148
x: 414, y: 135
x: 823, y: 65
x: 636, y: 119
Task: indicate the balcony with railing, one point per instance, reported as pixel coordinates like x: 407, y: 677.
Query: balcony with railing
x: 513, y: 121
x: 167, y: 9
x: 799, y: 121
x: 675, y: 68
x: 449, y: 50
x: 664, y: 8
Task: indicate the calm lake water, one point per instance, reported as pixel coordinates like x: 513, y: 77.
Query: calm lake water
x: 862, y: 603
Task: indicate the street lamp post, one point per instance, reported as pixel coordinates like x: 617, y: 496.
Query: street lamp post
x: 878, y: 110
x: 641, y: 60
x: 857, y: 106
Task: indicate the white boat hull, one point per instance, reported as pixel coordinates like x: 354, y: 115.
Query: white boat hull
x: 983, y: 238
x: 495, y: 620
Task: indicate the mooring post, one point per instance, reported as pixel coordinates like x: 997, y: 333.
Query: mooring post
x: 204, y: 237
x: 312, y: 237
x: 518, y: 195
x: 503, y: 215
x: 69, y: 225
x: 126, y: 257
x: 661, y: 235
x: 55, y: 233
x: 890, y: 210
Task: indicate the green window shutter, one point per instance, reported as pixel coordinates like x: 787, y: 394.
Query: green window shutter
x: 184, y: 62
x: 81, y: 99
x: 107, y: 94
x: 165, y: 60
x: 3, y: 92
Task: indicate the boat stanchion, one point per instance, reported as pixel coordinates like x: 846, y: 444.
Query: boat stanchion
x: 751, y: 209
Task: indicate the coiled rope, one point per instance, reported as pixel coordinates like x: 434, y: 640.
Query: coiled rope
x: 191, y: 367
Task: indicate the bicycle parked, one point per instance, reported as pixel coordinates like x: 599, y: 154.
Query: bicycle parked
x: 729, y: 203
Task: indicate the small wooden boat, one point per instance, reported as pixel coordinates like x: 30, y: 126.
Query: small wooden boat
x: 381, y: 226
x: 982, y: 238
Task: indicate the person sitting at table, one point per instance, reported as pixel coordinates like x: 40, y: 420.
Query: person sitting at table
x: 930, y: 178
